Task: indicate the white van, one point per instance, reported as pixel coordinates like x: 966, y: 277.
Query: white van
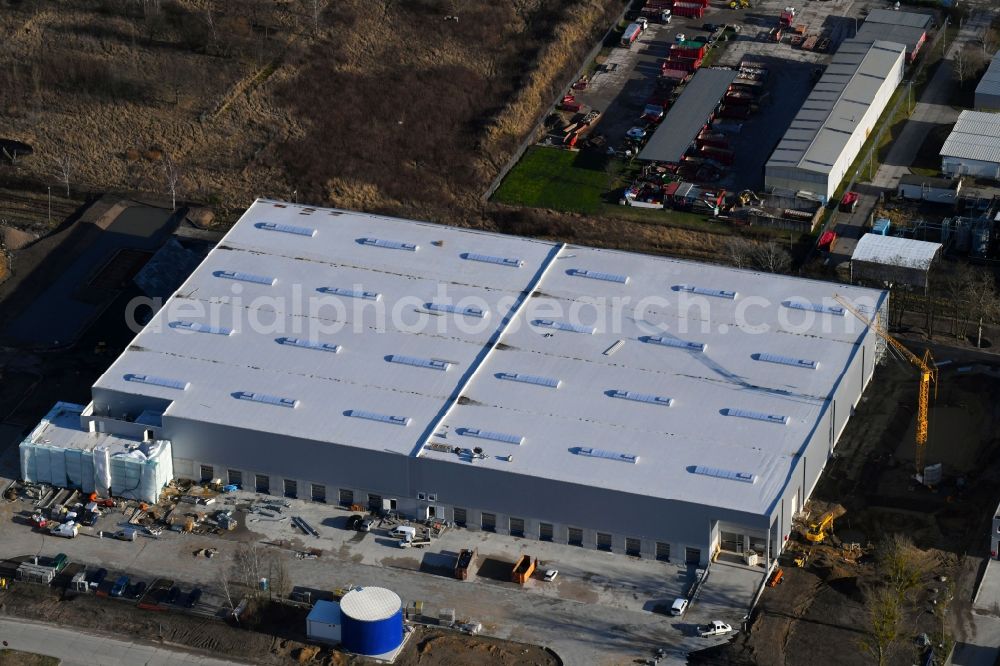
x: 404, y: 532
x: 680, y: 605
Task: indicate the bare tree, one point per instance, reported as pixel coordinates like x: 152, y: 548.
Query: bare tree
x: 981, y: 296
x: 903, y: 566
x: 884, y: 616
x: 64, y: 170
x: 316, y: 8
x: 960, y: 65
x: 248, y: 563
x: 771, y: 257
x: 956, y: 287
x: 738, y: 251
x: 227, y: 590
x: 173, y: 178
x: 280, y: 583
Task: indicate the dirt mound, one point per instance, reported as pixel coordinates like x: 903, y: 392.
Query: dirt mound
x: 15, y: 239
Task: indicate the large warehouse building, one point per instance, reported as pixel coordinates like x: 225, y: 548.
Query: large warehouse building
x: 831, y: 127
x: 973, y: 147
x: 610, y: 400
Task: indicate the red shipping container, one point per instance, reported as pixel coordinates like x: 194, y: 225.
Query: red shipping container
x: 682, y: 64
x: 687, y: 51
x: 713, y: 139
x: 720, y: 155
x: 689, y: 9
x: 738, y: 97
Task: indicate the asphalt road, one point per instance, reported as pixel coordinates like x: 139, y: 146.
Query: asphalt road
x: 75, y: 648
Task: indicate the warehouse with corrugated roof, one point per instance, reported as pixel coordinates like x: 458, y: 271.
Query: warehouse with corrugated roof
x: 973, y: 147
x: 637, y: 404
x: 834, y: 122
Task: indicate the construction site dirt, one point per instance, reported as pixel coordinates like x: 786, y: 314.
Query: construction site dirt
x: 871, y: 476
x: 284, y: 643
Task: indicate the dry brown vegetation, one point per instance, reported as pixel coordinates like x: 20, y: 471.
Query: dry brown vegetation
x: 386, y: 106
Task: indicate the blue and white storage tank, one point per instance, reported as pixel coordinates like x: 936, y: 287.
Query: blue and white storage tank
x: 371, y: 621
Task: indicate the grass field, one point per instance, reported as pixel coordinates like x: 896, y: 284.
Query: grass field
x: 18, y: 658
x: 557, y: 179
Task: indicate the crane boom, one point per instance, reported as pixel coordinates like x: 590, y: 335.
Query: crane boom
x: 928, y: 375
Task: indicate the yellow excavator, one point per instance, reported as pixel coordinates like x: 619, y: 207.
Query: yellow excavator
x: 739, y: 4
x: 816, y: 533
x: 928, y: 376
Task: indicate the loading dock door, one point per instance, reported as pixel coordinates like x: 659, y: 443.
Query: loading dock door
x: 692, y: 555
x: 346, y: 497
x: 545, y: 531
x: 489, y: 522
x: 517, y: 527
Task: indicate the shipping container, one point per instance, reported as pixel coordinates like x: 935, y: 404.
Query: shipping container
x: 689, y: 9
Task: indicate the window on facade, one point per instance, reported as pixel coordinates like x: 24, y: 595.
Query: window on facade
x: 346, y: 497
x: 460, y: 517
x: 291, y: 488
x: 207, y: 472
x: 235, y: 477
x: 262, y: 483
x: 575, y: 536
x: 662, y: 551
x: 517, y: 527
x: 633, y: 547
x: 603, y: 541
x: 318, y: 492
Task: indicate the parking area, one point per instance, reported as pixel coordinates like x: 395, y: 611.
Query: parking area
x: 591, y: 585
x: 626, y: 79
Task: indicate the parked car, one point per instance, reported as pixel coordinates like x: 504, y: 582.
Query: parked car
x: 714, y: 628
x: 59, y: 562
x: 653, y: 113
x: 551, y: 574
x: 192, y: 598
x: 680, y: 605
x: 118, y: 589
x: 710, y: 27
x: 636, y: 134
x: 98, y: 578
x: 137, y: 590
x: 173, y: 595
x: 680, y: 37
x: 366, y: 525
x: 66, y: 530
x: 127, y: 534
x: 849, y: 203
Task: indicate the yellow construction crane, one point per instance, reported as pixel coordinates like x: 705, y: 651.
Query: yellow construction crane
x: 928, y: 376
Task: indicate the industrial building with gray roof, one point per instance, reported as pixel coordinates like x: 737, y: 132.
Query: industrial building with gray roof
x: 829, y: 130
x: 612, y: 400
x: 973, y: 147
